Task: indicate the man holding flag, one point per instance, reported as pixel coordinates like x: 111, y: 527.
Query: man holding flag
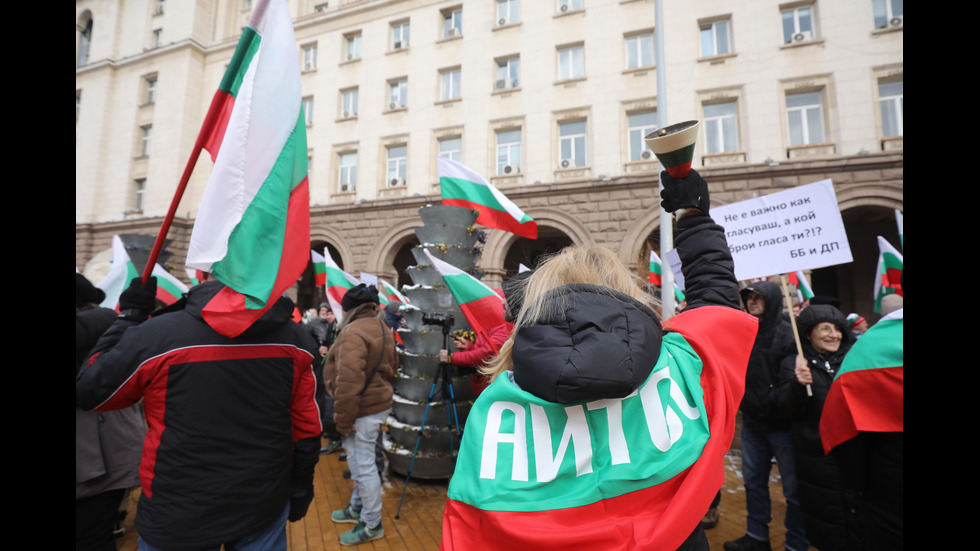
x: 227, y: 383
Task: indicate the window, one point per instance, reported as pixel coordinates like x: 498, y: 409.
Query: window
x: 571, y: 144
x: 452, y: 22
x: 397, y: 165
x: 348, y: 103
x: 161, y: 7
x: 150, y: 88
x: 508, y: 11
x: 892, y: 102
x: 398, y: 94
x: 571, y: 62
x: 352, y: 46
x: 640, y: 124
x: 721, y: 127
x: 309, y: 57
x: 78, y: 103
x: 508, y: 73
x: 569, y: 5
x: 451, y: 148
x: 798, y: 24
x: 139, y: 194
x: 715, y: 38
x: 347, y: 179
x: 146, y: 132
x: 399, y: 35
x: 85, y: 43
x: 509, y: 151
x: 804, y: 113
x: 157, y: 38
x: 308, y: 109
x: 888, y: 13
x: 639, y: 51
x: 449, y: 84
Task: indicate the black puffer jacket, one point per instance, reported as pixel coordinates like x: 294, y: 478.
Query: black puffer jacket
x: 759, y: 406
x: 823, y: 499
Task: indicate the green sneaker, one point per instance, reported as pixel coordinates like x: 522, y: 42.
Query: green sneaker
x: 361, y: 533
x: 346, y: 516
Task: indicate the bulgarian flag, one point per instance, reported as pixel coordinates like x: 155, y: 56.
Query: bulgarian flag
x: 483, y: 308
x: 656, y: 276
x: 194, y: 275
x: 169, y: 288
x: 633, y: 473
x: 337, y: 281
x: 392, y: 293
x: 803, y: 289
x: 254, y: 223
x: 868, y: 393
x: 890, y: 266
x: 319, y: 268
x: 464, y: 188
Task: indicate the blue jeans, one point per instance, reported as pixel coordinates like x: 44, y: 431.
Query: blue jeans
x: 359, y: 445
x: 758, y: 449
x: 270, y: 538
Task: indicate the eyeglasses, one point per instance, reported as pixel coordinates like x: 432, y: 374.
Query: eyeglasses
x: 827, y: 330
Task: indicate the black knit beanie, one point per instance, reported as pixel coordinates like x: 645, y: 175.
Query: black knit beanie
x: 359, y: 295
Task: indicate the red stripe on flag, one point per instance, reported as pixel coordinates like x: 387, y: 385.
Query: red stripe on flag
x: 484, y: 314
x: 221, y: 106
x: 680, y: 171
x: 871, y: 400
x: 656, y: 279
x: 497, y: 219
x: 165, y: 296
x: 321, y: 279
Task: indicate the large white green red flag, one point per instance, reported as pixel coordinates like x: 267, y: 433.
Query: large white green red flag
x: 868, y: 392
x: 463, y: 187
x: 483, y: 308
x: 656, y: 276
x: 254, y: 223
x: 337, y: 281
x: 889, y: 272
x: 169, y: 288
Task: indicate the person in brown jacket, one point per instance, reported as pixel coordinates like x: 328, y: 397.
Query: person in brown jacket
x: 358, y: 375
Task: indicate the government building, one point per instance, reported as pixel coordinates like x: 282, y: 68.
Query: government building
x: 548, y: 99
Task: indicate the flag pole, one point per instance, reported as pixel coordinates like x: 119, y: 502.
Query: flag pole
x: 792, y: 321
x: 209, y: 119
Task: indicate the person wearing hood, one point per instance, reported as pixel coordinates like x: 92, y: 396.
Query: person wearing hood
x: 234, y: 431
x: 826, y: 338
x: 603, y: 428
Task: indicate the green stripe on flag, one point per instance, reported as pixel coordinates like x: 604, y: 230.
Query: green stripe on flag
x: 677, y: 157
x: 880, y: 350
x: 464, y: 288
x: 240, y: 61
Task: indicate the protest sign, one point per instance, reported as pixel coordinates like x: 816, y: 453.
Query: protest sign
x: 796, y: 229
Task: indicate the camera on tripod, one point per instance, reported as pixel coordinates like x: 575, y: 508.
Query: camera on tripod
x: 444, y: 320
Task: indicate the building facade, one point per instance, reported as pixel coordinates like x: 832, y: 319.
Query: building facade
x: 548, y: 99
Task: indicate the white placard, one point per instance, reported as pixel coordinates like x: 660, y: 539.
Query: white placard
x: 369, y: 279
x: 796, y: 229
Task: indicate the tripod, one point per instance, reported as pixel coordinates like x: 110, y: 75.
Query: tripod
x: 445, y: 375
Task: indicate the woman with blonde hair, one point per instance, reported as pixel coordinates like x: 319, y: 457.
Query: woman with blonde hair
x: 603, y: 429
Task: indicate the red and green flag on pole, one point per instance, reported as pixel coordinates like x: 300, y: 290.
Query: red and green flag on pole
x: 868, y: 393
x: 336, y: 281
x: 889, y: 272
x: 169, y: 288
x: 463, y: 187
x: 391, y: 292
x: 483, y: 308
x: 656, y: 276
x: 254, y: 222
x: 803, y: 289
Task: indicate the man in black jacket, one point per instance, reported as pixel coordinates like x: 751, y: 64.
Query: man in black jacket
x: 234, y: 432
x: 766, y: 433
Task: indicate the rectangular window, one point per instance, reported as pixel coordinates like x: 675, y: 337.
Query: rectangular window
x: 508, y: 11
x: 161, y: 7
x: 150, y: 84
x: 157, y: 38
x: 309, y: 57
x: 721, y: 127
x: 639, y: 51
x: 569, y: 5
x: 571, y: 144
x: 804, y: 113
x: 139, y: 194
x: 888, y: 13
x: 352, y: 46
x: 451, y: 148
x: 308, y: 109
x: 146, y: 132
x: 798, y: 24
x: 397, y: 165
x: 509, y: 151
x: 347, y: 179
x: 571, y: 62
x: 78, y: 103
x: 508, y: 73
x: 452, y: 22
x: 449, y: 87
x: 892, y: 101
x: 398, y: 94
x: 399, y: 35
x: 715, y: 38
x: 348, y: 103
x: 641, y: 124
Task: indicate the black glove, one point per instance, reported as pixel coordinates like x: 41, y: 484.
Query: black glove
x: 299, y: 503
x: 690, y: 192
x: 138, y: 300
